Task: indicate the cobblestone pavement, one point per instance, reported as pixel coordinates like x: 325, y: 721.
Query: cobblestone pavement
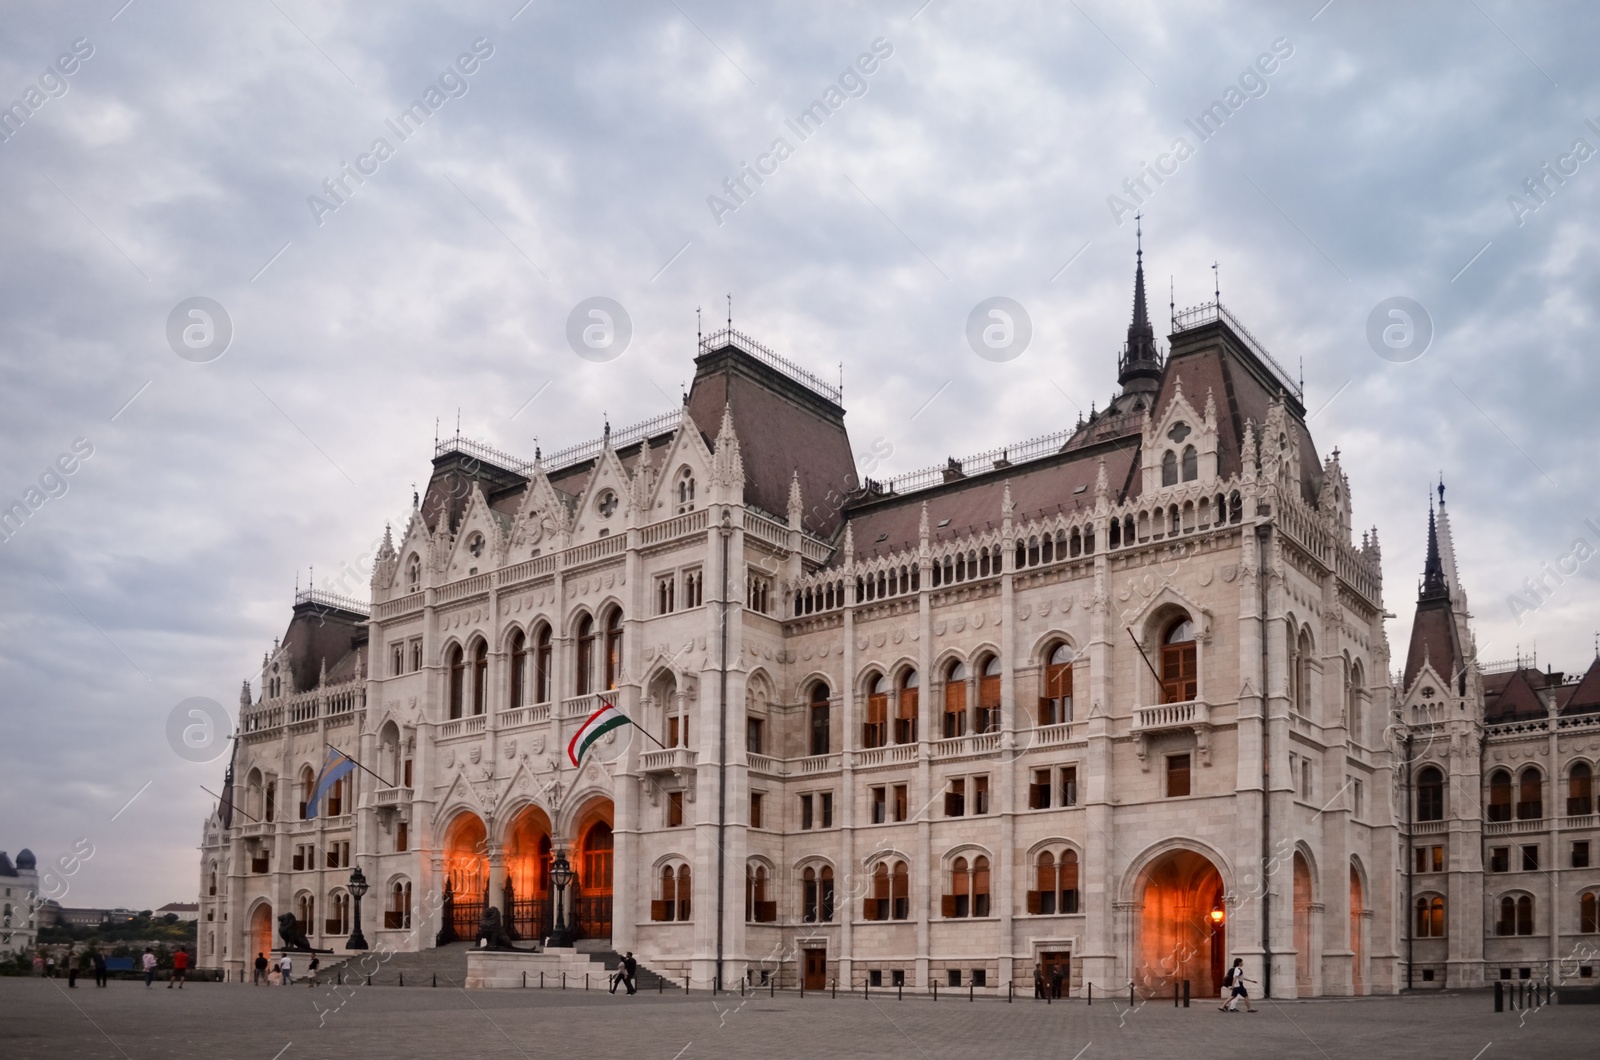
x: 42, y: 1018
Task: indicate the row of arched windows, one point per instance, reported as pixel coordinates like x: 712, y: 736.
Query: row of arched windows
x: 1521, y: 797
x: 597, y: 659
x: 1514, y: 915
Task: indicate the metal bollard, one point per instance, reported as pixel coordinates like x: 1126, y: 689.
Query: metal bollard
x: 1089, y: 991
x: 402, y: 978
x: 1130, y: 995
x: 772, y: 986
x: 1499, y: 996
x: 1186, y: 993
x: 866, y: 989
x: 970, y: 987
x: 686, y: 984
x: 563, y: 980
x: 900, y: 991
x: 936, y: 989
x: 661, y: 984
x: 802, y: 984
x: 541, y: 980
x: 1011, y: 991
x: 435, y: 978
x: 586, y: 980
x: 369, y: 979
x: 1174, y: 993
x: 524, y: 980
x: 835, y: 985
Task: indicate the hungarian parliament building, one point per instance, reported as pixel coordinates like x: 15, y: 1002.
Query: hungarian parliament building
x: 1114, y: 704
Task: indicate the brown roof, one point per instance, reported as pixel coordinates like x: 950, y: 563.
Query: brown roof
x: 1433, y: 639
x: 1585, y: 698
x: 319, y: 634
x: 783, y: 427
x: 1518, y: 697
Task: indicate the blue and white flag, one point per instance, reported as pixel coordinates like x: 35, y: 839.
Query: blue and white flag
x: 337, y: 766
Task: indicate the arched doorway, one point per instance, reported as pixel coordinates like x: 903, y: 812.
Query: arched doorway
x: 526, y: 901
x: 1357, y: 951
x: 1303, y: 960
x: 466, y: 875
x: 1182, y: 929
x: 261, y: 927
x: 592, y: 861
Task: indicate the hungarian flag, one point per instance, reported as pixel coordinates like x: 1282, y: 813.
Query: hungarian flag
x: 335, y: 767
x: 597, y: 725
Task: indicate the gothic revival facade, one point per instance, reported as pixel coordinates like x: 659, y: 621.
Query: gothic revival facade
x: 1112, y: 701
x: 1502, y: 877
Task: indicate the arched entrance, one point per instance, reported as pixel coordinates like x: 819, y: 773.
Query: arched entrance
x: 526, y: 901
x: 261, y: 927
x: 1357, y: 951
x: 591, y: 908
x: 1182, y: 930
x: 1303, y: 960
x: 466, y: 875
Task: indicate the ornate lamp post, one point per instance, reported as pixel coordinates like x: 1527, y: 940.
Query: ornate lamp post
x: 561, y: 875
x: 358, y: 887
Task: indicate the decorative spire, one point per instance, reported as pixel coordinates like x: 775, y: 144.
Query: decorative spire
x: 1139, y: 367
x: 849, y: 543
x: 797, y: 507
x: 1433, y: 580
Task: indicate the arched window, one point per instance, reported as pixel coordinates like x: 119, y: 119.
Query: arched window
x: 900, y: 891
x: 584, y: 675
x: 1580, y: 790
x: 816, y: 897
x: 1588, y: 913
x: 338, y: 921
x: 1430, y: 917
x: 541, y: 667
x: 305, y: 913
x: 1055, y: 703
x: 905, y: 717
x: 480, y: 677
x: 674, y: 902
x: 1169, y: 468
x: 821, y: 735
x: 988, y: 719
x: 458, y: 680
x: 413, y: 574
x: 519, y: 668
x: 1191, y: 463
x: 876, y: 907
x: 1354, y: 719
x: 398, y: 915
x: 1500, y: 795
x: 875, y: 730
x: 1300, y: 672
x: 308, y: 781
x: 1516, y: 916
x: 1056, y: 884
x: 613, y: 648
x: 756, y: 906
x: 1179, y: 666
x: 1530, y: 795
x: 891, y: 893
x: 969, y: 888
x: 1430, y: 794
x: 685, y: 490
x: 955, y: 700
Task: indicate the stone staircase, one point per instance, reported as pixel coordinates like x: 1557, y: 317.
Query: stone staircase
x: 645, y: 979
x: 446, y: 966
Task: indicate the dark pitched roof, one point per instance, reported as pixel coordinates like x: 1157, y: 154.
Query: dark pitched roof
x: 1518, y: 698
x: 783, y: 427
x: 1434, y: 638
x: 1585, y: 698
x: 319, y: 634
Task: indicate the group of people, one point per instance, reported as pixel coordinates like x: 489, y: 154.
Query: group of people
x: 1233, y: 985
x: 281, y: 971
x: 96, y: 960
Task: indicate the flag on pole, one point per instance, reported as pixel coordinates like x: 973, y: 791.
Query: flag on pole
x: 335, y: 767
x: 597, y: 725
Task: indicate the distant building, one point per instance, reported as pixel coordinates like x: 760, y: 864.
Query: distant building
x: 19, y: 882
x: 94, y: 917
x: 184, y: 910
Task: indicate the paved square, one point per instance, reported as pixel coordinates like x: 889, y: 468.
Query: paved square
x: 42, y: 1018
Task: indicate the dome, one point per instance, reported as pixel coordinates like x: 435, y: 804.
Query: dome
x: 25, y: 859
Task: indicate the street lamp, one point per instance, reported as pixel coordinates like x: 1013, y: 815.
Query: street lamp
x: 561, y: 875
x: 358, y: 887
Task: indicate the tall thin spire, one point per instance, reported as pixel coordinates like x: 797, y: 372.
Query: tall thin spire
x: 1139, y: 367
x: 1433, y: 581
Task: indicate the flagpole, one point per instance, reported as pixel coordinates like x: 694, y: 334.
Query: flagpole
x: 636, y: 725
x: 214, y: 795
x: 357, y: 764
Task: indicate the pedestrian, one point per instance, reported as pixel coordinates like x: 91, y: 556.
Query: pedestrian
x: 1056, y: 975
x: 99, y: 968
x: 149, y: 967
x: 286, y: 971
x: 1235, y: 980
x: 38, y: 964
x: 72, y: 968
x: 180, y: 968
x: 50, y: 967
x: 316, y: 962
x: 630, y: 968
x: 1038, y: 980
x: 618, y: 976
x: 261, y: 969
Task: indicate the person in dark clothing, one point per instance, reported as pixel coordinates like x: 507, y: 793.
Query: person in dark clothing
x: 1055, y: 982
x: 316, y: 962
x: 99, y: 968
x: 1038, y: 981
x: 72, y: 969
x: 630, y: 968
x: 261, y: 968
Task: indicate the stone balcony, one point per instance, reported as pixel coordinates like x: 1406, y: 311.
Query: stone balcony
x: 668, y: 760
x: 1167, y: 716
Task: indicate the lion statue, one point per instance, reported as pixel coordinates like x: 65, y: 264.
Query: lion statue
x: 491, y: 932
x: 289, y: 931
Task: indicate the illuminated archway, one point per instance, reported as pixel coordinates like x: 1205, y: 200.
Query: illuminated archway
x: 1357, y: 951
x: 261, y: 928
x: 1181, y: 925
x: 592, y: 861
x: 527, y: 852
x: 466, y: 871
x: 1303, y: 957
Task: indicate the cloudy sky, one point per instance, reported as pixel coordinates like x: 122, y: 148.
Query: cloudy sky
x: 179, y: 157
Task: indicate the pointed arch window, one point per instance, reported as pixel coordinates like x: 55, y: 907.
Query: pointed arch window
x: 1169, y: 468
x: 820, y: 726
x: 480, y: 678
x: 757, y: 908
x: 413, y: 574
x: 1580, y: 790
x: 1588, y: 913
x: 541, y: 667
x: 1500, y: 795
x: 988, y: 719
x: 1179, y: 663
x: 519, y: 668
x: 816, y: 895
x: 875, y: 730
x: 1430, y: 794
x: 1191, y: 463
x: 1055, y: 700
x: 685, y: 489
x: 458, y: 680
x: 955, y: 700
x: 1530, y: 795
x: 1430, y: 917
x: 905, y: 717
x: 613, y: 649
x: 584, y: 675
